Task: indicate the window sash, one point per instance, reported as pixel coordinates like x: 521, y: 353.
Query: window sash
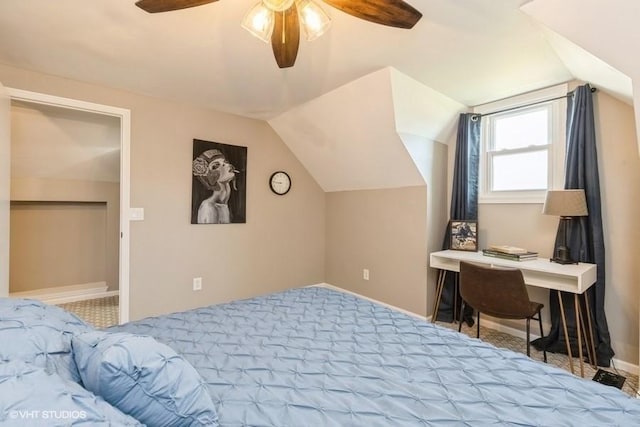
x: 555, y: 147
x: 491, y: 170
x: 525, y: 110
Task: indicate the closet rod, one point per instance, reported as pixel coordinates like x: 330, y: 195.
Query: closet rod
x: 476, y: 116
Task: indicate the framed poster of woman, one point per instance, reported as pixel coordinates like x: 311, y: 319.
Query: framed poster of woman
x: 219, y: 183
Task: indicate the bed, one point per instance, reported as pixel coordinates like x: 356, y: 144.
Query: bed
x: 319, y: 357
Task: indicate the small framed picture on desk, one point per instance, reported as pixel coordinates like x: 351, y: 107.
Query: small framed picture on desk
x: 464, y: 235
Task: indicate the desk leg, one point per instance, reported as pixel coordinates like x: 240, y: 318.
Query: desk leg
x: 456, y: 286
x: 442, y: 274
x: 576, y: 304
x: 566, y: 332
x: 583, y: 331
x: 594, y: 361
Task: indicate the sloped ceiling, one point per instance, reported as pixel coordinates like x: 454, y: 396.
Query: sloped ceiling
x: 588, y: 68
x: 350, y: 138
x: 357, y: 94
x: 473, y: 51
x: 420, y: 110
x: 57, y: 143
x: 594, y: 40
x: 608, y: 30
x: 363, y: 123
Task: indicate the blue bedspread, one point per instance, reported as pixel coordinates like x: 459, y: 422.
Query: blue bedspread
x: 317, y: 357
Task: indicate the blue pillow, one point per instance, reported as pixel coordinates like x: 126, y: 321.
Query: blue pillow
x: 41, y: 334
x: 143, y: 378
x: 29, y: 396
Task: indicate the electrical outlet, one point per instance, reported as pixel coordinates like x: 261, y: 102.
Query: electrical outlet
x: 197, y: 283
x: 365, y: 274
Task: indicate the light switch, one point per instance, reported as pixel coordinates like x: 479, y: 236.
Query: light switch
x: 136, y: 214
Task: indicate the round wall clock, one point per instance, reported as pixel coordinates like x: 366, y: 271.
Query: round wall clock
x: 280, y: 183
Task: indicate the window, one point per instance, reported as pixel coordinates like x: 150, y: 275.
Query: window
x: 522, y: 147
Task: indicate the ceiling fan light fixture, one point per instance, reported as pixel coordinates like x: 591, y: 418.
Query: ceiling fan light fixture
x: 259, y: 21
x: 278, y: 5
x: 313, y: 19
x: 287, y: 16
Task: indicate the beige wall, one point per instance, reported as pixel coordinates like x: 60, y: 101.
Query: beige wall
x: 385, y: 232
x: 619, y: 167
x: 64, y: 155
x: 620, y: 190
x: 52, y: 190
x: 282, y: 244
x: 437, y: 212
x: 57, y: 244
x: 391, y: 232
x: 431, y: 159
x: 5, y: 184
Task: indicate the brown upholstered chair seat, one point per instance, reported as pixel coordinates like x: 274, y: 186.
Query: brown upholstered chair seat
x: 498, y: 292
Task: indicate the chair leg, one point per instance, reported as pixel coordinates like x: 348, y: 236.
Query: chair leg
x: 461, y: 314
x: 478, y: 326
x: 544, y: 350
x: 528, y: 337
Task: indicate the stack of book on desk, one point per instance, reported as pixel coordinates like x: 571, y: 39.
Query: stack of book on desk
x: 509, y: 252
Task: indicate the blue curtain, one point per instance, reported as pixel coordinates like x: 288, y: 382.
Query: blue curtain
x: 464, y: 200
x: 585, y: 237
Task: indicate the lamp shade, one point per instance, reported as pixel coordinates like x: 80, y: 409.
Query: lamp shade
x: 565, y: 203
x: 314, y: 20
x: 259, y: 21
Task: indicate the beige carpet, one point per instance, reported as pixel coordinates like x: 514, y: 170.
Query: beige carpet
x: 103, y: 312
x: 504, y: 340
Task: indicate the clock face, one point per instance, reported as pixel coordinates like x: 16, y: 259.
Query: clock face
x: 280, y: 183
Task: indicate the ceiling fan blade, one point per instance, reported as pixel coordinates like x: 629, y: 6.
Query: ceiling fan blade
x: 393, y: 13
x: 286, y: 37
x: 155, y: 6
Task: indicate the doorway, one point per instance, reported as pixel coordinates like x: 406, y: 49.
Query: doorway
x: 92, y: 210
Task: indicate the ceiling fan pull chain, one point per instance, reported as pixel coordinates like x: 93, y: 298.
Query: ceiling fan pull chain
x: 284, y: 24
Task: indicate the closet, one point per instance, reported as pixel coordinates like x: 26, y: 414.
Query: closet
x: 67, y: 234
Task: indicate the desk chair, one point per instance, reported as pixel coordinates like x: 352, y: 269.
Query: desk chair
x: 498, y: 292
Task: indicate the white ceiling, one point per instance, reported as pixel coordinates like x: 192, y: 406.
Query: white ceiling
x: 357, y: 94
x: 473, y: 51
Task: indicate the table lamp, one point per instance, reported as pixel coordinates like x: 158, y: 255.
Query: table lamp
x: 566, y: 204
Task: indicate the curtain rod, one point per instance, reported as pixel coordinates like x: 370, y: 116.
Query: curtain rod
x: 477, y: 116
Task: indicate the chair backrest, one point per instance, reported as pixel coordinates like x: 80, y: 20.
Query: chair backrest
x: 498, y: 292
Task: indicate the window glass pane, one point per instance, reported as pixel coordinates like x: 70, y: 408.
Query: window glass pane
x: 523, y: 171
x: 521, y: 130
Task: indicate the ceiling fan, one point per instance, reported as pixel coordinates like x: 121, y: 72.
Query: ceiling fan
x: 279, y: 21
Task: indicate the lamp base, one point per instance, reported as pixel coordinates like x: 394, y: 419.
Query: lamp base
x: 563, y: 261
x: 563, y: 256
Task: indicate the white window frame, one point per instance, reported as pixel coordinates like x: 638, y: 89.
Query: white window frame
x: 557, y: 128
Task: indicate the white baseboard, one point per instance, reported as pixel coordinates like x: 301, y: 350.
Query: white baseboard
x: 336, y: 288
x: 66, y: 294
x: 496, y: 326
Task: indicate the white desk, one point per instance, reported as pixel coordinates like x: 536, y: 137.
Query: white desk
x: 573, y: 278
